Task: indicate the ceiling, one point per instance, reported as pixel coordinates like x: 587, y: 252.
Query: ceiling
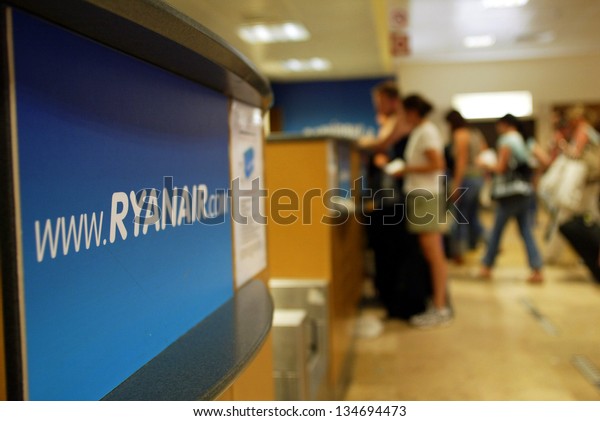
x: 354, y: 34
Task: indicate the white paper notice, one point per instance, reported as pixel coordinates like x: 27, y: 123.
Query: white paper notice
x: 248, y: 207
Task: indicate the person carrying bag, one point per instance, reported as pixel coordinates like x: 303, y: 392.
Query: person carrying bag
x: 512, y: 190
x: 570, y: 187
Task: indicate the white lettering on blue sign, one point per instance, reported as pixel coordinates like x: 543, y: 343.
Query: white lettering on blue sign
x: 177, y: 207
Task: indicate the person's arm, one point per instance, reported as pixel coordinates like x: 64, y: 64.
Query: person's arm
x: 389, y: 133
x: 504, y: 154
x: 380, y: 160
x: 578, y: 143
x: 541, y: 155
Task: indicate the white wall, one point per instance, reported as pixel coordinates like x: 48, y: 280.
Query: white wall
x: 551, y: 81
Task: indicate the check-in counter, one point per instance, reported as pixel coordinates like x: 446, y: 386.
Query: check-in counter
x: 315, y: 247
x: 123, y: 273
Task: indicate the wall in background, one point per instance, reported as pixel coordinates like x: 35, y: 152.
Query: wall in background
x: 551, y: 82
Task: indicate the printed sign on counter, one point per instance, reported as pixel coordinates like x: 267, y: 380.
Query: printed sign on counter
x: 248, y: 207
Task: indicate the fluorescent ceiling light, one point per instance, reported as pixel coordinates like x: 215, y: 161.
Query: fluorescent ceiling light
x: 484, y: 105
x: 294, y: 65
x: 315, y: 64
x: 269, y: 33
x: 479, y: 41
x: 502, y: 4
x: 319, y: 64
x: 294, y: 31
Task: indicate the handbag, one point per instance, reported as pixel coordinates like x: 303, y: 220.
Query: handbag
x: 562, y: 185
x: 516, y: 181
x: 550, y: 180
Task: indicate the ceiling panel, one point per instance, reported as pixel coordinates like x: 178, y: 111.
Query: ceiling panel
x: 352, y: 34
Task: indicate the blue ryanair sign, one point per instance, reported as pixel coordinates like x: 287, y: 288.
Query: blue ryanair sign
x: 123, y: 171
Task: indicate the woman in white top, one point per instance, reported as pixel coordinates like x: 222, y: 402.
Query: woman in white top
x: 425, y: 208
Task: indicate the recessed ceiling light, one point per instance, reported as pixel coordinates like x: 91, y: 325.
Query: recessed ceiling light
x: 315, y: 64
x: 269, y: 33
x: 479, y: 41
x: 502, y: 4
x: 319, y: 64
x: 294, y: 65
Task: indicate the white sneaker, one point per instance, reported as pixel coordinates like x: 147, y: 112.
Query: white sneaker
x: 433, y: 317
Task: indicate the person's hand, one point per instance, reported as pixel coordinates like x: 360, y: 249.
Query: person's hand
x: 562, y: 144
x: 480, y: 163
x: 399, y: 174
x: 366, y: 142
x: 486, y: 160
x: 380, y: 160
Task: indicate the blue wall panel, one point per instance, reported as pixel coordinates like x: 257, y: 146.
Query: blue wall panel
x: 313, y: 104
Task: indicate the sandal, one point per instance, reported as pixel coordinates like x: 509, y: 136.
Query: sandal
x: 535, y: 278
x: 485, y: 273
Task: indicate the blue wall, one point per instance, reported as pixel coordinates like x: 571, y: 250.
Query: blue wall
x: 313, y: 104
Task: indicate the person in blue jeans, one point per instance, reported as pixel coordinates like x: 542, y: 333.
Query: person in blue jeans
x: 512, y: 148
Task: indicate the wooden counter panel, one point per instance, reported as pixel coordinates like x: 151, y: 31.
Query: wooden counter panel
x: 346, y: 289
x: 297, y: 249
x: 256, y: 382
x: 317, y: 250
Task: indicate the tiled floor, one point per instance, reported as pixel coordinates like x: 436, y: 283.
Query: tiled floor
x: 509, y: 340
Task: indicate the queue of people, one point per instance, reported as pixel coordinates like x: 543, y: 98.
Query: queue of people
x: 422, y: 167
x: 441, y: 186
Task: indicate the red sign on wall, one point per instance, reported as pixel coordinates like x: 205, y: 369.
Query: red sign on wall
x: 399, y: 43
x: 398, y: 18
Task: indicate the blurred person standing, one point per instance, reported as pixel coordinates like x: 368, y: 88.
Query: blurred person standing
x: 392, y: 134
x: 423, y: 174
x: 584, y: 145
x: 390, y: 118
x: 465, y: 185
x: 400, y: 271
x: 572, y: 183
x: 512, y: 190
